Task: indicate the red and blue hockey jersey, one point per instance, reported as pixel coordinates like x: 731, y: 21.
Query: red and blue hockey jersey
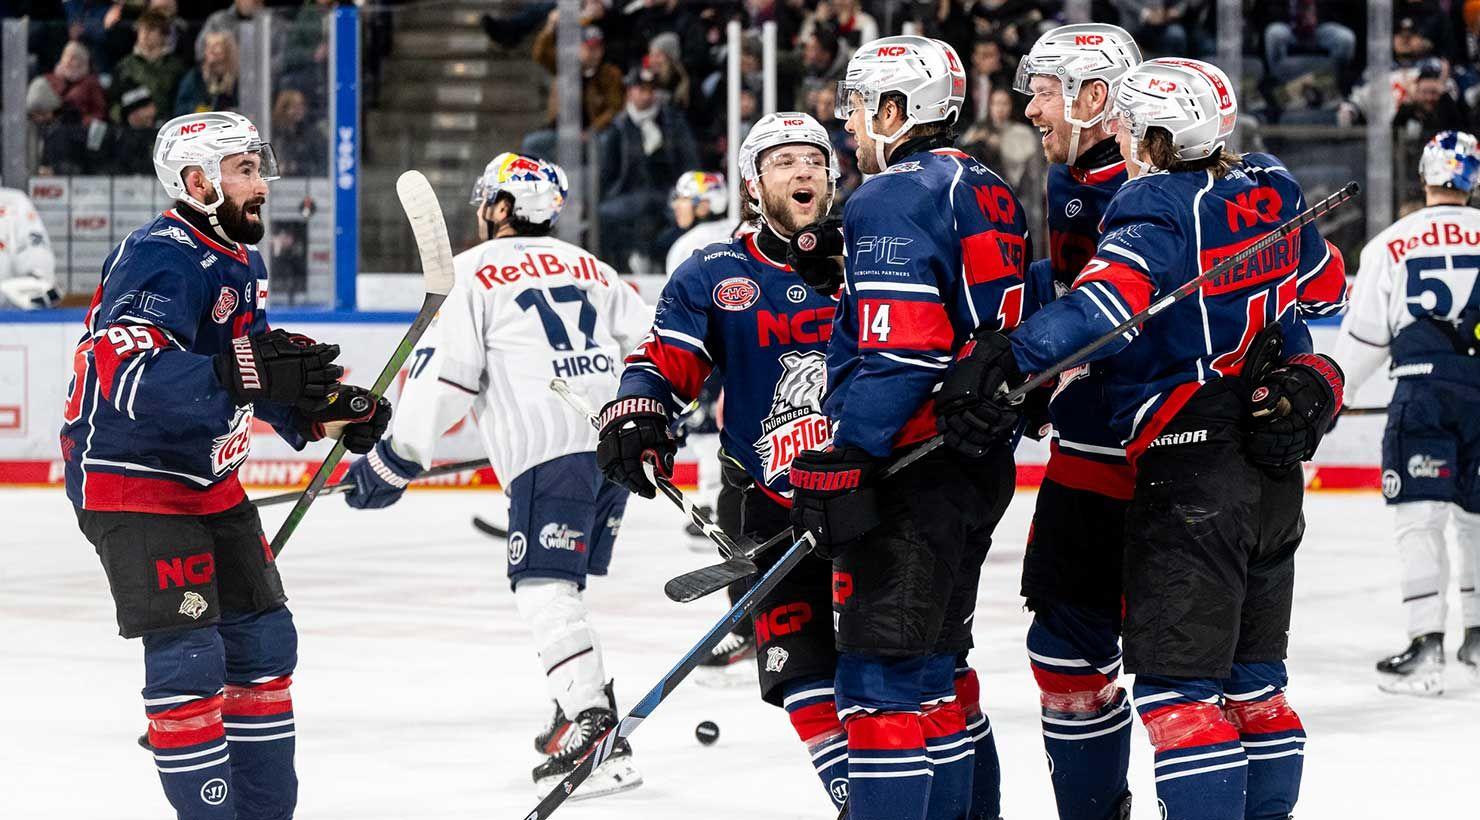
x: 1085, y: 453
x: 1160, y: 231
x: 732, y: 308
x: 936, y: 247
x: 147, y: 427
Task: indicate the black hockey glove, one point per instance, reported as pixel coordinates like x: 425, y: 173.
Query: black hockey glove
x: 970, y: 413
x: 833, y: 497
x: 1291, y: 408
x: 634, y: 430
x: 353, y: 415
x: 279, y: 366
x: 816, y: 254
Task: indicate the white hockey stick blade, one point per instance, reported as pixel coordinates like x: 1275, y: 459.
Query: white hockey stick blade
x: 424, y: 213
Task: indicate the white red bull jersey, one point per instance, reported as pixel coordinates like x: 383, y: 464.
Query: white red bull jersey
x: 523, y: 311
x: 1423, y: 266
x: 25, y: 249
x: 697, y: 238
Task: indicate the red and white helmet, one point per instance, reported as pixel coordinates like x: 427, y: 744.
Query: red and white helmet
x: 703, y: 186
x: 926, y: 72
x: 784, y: 128
x: 1191, y: 99
x: 204, y: 140
x: 1075, y: 55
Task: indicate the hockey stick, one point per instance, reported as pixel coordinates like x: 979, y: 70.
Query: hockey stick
x: 424, y: 213
x: 343, y: 486
x: 492, y: 530
x: 670, y: 681
x: 729, y: 548
x: 1364, y: 411
x: 707, y: 580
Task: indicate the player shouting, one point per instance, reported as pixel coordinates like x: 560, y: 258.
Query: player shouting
x: 526, y: 308
x: 1215, y: 518
x: 175, y: 362
x: 1417, y: 300
x: 1071, y: 571
x: 736, y: 308
x: 935, y: 244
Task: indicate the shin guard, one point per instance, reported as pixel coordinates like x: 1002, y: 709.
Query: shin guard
x: 182, y: 697
x: 1201, y: 771
x: 1272, y: 735
x: 986, y: 776
x: 814, y: 716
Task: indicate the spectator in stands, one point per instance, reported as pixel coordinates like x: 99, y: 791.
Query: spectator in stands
x: 75, y: 83
x: 98, y: 24
x: 61, y: 143
x: 1167, y: 27
x: 127, y: 146
x: 601, y: 89
x: 647, y: 146
x: 1439, y: 22
x: 1433, y: 105
x: 181, y: 34
x: 151, y: 64
x: 988, y: 73
x: 211, y: 85
x: 1310, y: 26
x: 298, y: 140
x: 823, y: 58
x: 226, y: 21
x: 664, y: 60
x: 822, y: 102
x: 303, y: 63
x: 853, y: 25
x: 1006, y: 144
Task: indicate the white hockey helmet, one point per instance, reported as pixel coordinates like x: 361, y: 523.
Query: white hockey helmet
x: 926, y: 72
x: 784, y: 128
x: 1191, y: 99
x: 1075, y: 55
x: 703, y: 186
x: 538, y: 188
x: 1450, y: 160
x: 204, y: 140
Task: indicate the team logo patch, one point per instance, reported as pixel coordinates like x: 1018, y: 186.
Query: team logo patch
x: 1422, y: 466
x: 1260, y: 394
x: 230, y: 450
x: 776, y: 657
x: 1184, y: 437
x: 807, y: 241
x: 795, y: 422
x: 213, y: 791
x: 838, y: 788
x: 518, y: 546
x: 176, y: 233
x: 1073, y: 207
x: 736, y: 293
x: 1392, y: 483
x: 225, y: 306
x: 561, y: 537
x: 796, y: 294
x: 193, y: 606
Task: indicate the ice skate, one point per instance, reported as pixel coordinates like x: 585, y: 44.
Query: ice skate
x: 547, y: 742
x: 615, y: 774
x: 729, y: 664
x: 1417, y: 670
x: 1469, y: 653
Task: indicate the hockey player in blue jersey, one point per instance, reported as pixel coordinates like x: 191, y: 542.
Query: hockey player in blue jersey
x: 1216, y: 442
x: 737, y: 310
x: 1418, y: 301
x: 175, y: 362
x: 1072, y: 567
x: 935, y: 245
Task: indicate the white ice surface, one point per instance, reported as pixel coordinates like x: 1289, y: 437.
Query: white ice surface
x: 417, y: 695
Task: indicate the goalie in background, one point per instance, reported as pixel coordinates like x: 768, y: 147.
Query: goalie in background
x: 526, y: 308
x: 27, y: 264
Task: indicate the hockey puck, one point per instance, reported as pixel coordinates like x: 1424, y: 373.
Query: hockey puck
x: 707, y: 732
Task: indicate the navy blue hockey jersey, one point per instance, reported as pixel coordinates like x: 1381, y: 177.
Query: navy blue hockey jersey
x: 1084, y: 453
x: 1160, y: 231
x: 147, y: 427
x: 732, y: 309
x: 936, y: 247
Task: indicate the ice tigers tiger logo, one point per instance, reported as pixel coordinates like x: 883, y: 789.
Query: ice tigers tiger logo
x: 796, y: 422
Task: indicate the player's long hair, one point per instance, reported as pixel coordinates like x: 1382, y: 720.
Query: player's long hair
x: 1163, y: 154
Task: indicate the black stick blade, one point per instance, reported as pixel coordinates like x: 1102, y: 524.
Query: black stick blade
x: 691, y: 586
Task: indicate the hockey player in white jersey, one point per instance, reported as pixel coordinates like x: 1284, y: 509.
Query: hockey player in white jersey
x: 1417, y: 302
x: 27, y: 264
x: 527, y: 308
x: 699, y: 202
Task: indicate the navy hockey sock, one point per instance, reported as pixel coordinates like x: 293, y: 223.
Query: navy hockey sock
x: 814, y: 714
x: 183, y: 672
x: 1201, y: 771
x: 1272, y: 735
x: 1086, y: 716
x: 889, y: 772
x: 261, y: 653
x: 986, y: 777
x: 951, y: 759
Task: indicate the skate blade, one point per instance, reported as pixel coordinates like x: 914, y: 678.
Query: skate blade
x: 731, y: 676
x: 611, y: 777
x: 1427, y: 682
